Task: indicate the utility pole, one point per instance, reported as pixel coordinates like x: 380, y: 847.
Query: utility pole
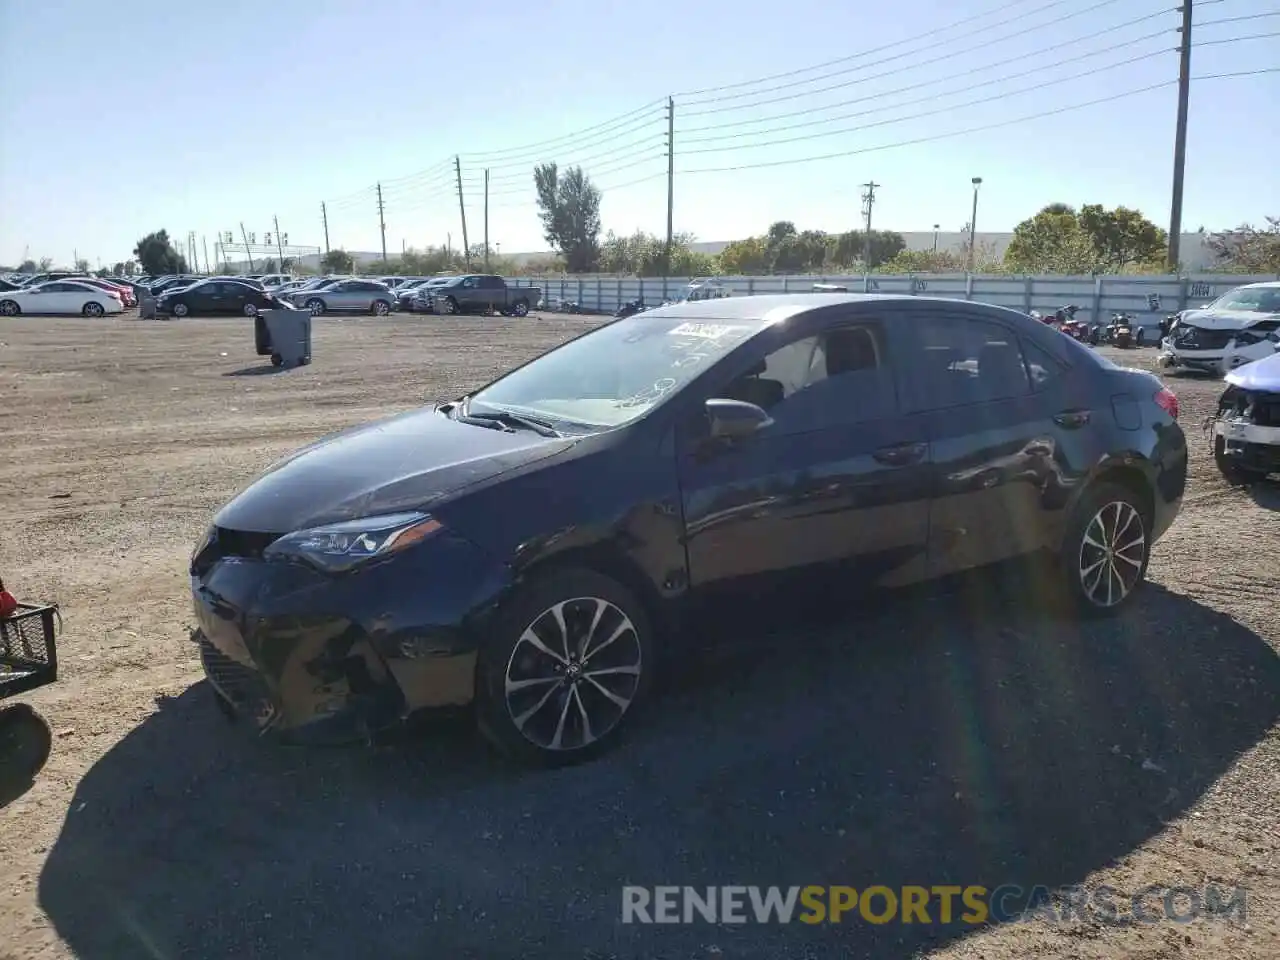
x: 382, y: 221
x: 973, y: 225
x: 324, y: 218
x: 275, y: 222
x: 462, y: 208
x: 75, y: 258
x: 204, y: 242
x: 935, y: 237
x: 1180, y: 138
x: 247, y: 252
x: 486, y: 220
x: 671, y: 182
x: 868, y: 201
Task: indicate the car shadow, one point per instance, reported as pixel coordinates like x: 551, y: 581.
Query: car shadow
x: 1266, y: 494
x: 258, y: 370
x: 944, y: 737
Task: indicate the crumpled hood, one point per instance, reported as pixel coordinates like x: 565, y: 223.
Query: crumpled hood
x: 1259, y: 375
x: 406, y: 462
x: 1224, y: 319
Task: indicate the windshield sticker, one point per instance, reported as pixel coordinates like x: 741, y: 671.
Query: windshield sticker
x: 705, y: 331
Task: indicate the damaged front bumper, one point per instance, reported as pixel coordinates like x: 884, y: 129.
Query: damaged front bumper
x: 311, y: 658
x: 1246, y: 430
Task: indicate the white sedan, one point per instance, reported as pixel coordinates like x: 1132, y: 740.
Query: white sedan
x: 60, y: 296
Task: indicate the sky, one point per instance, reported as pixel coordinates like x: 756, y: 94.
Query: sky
x: 119, y: 119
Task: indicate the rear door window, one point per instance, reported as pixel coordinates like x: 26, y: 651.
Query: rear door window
x: 962, y: 361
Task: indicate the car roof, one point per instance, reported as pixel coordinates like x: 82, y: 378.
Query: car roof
x: 1261, y: 284
x: 774, y: 307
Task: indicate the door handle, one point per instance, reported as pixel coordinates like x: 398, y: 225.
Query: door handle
x: 1072, y: 419
x: 901, y: 454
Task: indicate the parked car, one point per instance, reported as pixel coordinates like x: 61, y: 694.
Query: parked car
x: 481, y: 293
x: 61, y: 296
x: 1239, y: 327
x: 218, y: 296
x: 1246, y: 428
x: 364, y: 296
x: 35, y: 279
x: 534, y: 547
x: 418, y: 300
x: 173, y: 283
x: 126, y: 292
x: 9, y: 285
x: 270, y: 280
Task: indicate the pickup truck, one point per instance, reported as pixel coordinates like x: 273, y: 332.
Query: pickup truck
x: 481, y: 293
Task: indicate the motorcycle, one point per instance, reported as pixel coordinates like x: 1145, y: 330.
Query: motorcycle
x: 1120, y: 331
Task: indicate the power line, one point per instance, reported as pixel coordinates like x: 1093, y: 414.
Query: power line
x: 1255, y: 36
x: 916, y: 116
x: 543, y: 144
x: 862, y: 53
x: 978, y: 129
x: 949, y: 93
x: 909, y: 53
x: 954, y: 76
x: 1252, y: 16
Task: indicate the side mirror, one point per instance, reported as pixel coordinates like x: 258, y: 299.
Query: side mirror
x: 734, y: 419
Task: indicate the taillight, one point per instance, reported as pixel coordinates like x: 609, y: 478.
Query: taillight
x: 1167, y: 401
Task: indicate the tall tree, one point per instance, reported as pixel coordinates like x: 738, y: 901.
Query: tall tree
x: 27, y: 266
x: 82, y: 265
x: 337, y: 260
x: 1248, y: 249
x: 45, y: 264
x: 1051, y: 242
x: 158, y: 255
x: 744, y: 258
x: 1122, y: 237
x: 569, y: 207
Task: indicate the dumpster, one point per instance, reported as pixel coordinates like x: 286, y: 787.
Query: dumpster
x: 146, y: 304
x: 283, y: 335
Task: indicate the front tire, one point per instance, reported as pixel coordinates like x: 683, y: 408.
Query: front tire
x: 450, y: 306
x: 180, y: 310
x: 1232, y: 472
x: 1106, y: 550
x: 565, y: 667
x: 93, y: 309
x: 316, y: 306
x: 250, y: 310
x: 381, y: 308
x: 9, y: 309
x: 520, y: 308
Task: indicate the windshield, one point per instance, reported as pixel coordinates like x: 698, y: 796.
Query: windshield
x: 617, y: 372
x: 1256, y: 299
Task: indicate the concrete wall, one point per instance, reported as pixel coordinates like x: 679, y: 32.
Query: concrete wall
x: 1096, y: 296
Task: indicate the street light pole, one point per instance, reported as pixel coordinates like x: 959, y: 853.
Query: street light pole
x: 973, y: 225
x: 935, y: 237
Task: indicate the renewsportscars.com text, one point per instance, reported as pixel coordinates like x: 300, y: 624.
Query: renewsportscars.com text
x: 973, y: 904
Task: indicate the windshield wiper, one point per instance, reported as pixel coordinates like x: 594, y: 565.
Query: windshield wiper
x: 501, y: 419
x: 539, y: 426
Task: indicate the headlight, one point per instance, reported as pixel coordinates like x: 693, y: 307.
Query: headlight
x: 337, y: 547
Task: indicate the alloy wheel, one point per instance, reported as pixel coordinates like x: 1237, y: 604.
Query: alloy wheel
x: 93, y: 309
x: 8, y: 308
x: 179, y: 309
x: 1112, y: 553
x: 381, y: 309
x: 573, y: 673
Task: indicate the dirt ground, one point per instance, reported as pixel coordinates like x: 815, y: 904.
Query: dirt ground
x: 956, y: 741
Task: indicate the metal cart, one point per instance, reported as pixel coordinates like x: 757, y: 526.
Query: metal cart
x: 28, y: 659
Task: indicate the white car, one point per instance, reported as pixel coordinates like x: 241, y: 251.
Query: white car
x: 1239, y: 327
x: 60, y: 296
x: 1246, y: 430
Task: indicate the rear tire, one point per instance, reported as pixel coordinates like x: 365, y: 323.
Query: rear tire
x: 1106, y: 550
x: 93, y: 309
x: 250, y: 310
x: 520, y: 308
x: 277, y: 360
x: 539, y: 700
x: 316, y: 306
x: 9, y: 309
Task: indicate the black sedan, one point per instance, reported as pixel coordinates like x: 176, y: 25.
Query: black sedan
x: 536, y: 548
x: 210, y: 297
